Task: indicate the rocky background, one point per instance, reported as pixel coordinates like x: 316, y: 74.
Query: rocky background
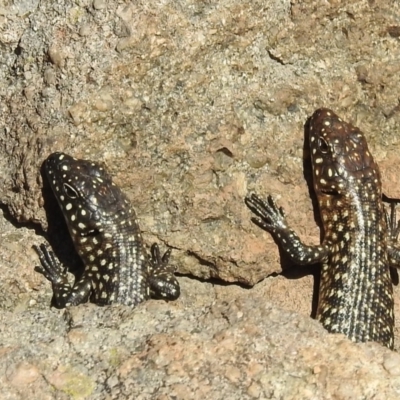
x: 191, y: 104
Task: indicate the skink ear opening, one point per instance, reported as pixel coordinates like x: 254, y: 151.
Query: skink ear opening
x: 91, y: 233
x: 330, y: 192
x: 70, y: 191
x: 323, y: 145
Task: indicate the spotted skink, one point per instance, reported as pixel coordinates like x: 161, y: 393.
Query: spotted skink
x: 105, y: 231
x: 359, y: 239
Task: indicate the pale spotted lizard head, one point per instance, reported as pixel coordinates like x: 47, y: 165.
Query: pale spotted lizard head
x: 339, y: 154
x: 84, y: 191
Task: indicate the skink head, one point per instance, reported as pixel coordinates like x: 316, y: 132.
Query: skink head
x: 84, y: 191
x: 339, y: 154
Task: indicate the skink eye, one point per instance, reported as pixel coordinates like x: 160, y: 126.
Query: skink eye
x: 70, y: 191
x: 323, y: 145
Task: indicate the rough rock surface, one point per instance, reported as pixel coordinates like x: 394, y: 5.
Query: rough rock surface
x: 187, y: 350
x: 191, y: 104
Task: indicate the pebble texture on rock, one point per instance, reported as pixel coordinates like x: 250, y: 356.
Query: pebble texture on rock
x: 184, y: 351
x: 191, y: 104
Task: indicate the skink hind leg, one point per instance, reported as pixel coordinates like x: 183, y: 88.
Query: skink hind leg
x: 56, y: 273
x: 162, y: 281
x: 393, y: 234
x: 271, y: 218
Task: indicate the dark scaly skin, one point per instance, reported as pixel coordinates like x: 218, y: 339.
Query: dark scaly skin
x: 106, y: 235
x: 356, y: 294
